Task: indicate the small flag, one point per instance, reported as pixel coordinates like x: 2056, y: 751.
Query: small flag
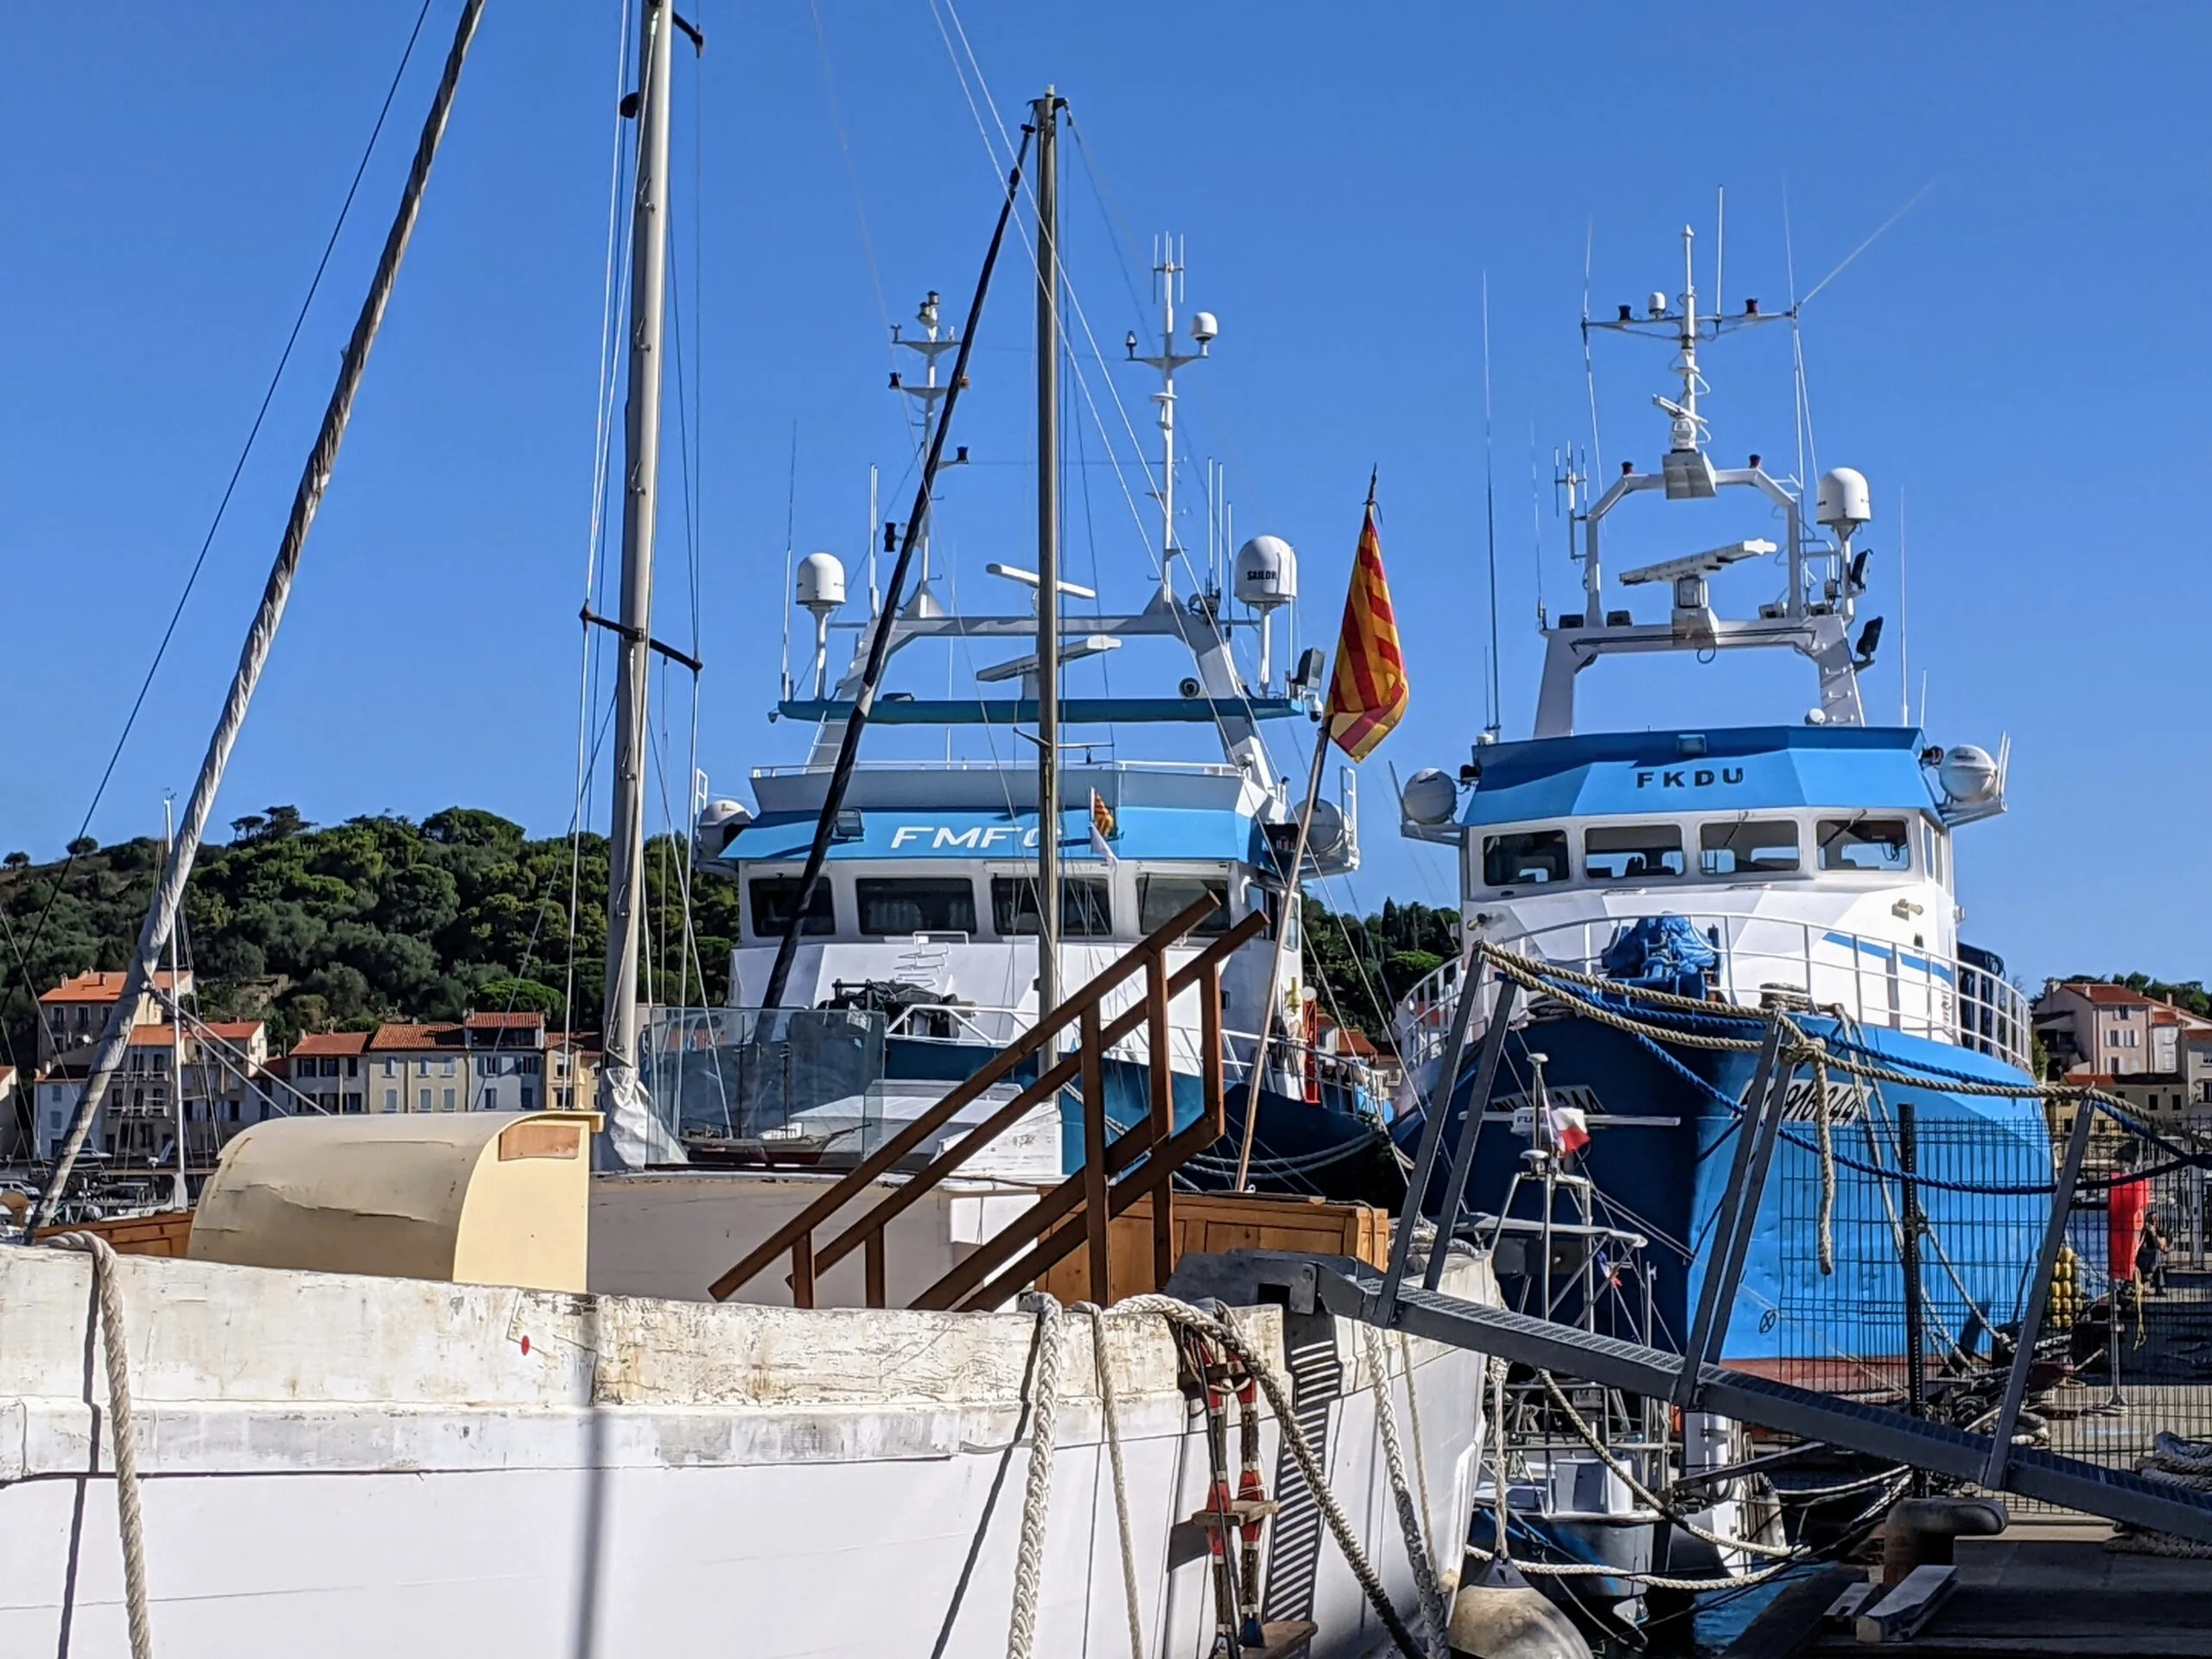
x: 1101, y: 827
x: 1567, y: 1128
x: 1367, y: 691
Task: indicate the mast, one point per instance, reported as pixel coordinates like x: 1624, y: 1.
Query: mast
x: 176, y: 1018
x: 1046, y: 111
x: 253, y: 657
x: 622, y: 1099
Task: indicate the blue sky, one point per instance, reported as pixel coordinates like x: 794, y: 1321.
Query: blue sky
x: 2022, y: 358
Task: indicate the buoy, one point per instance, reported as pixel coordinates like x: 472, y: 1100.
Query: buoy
x: 1502, y: 1616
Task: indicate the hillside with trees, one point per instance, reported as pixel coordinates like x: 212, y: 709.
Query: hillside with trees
x: 376, y: 918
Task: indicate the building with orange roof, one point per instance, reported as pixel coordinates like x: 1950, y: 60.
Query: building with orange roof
x: 74, y: 1013
x: 210, y: 1081
x: 488, y: 1062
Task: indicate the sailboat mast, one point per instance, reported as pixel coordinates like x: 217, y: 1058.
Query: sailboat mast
x: 621, y: 1094
x: 253, y: 657
x: 1047, y: 115
x: 176, y: 1018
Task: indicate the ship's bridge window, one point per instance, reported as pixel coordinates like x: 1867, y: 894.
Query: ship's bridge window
x: 1529, y: 856
x: 891, y: 905
x: 1632, y: 852
x: 1748, y: 847
x: 1086, y: 906
x: 1883, y: 845
x: 771, y: 898
x: 1162, y: 896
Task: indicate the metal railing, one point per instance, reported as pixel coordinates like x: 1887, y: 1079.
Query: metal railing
x: 1876, y: 981
x: 1115, y: 1172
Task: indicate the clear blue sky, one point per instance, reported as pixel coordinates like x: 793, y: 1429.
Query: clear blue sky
x: 2023, y: 356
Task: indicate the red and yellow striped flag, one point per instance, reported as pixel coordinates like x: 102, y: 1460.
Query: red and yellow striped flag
x: 1367, y: 691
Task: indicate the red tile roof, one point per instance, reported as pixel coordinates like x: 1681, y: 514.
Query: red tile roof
x: 101, y: 988
x: 2110, y: 996
x: 524, y: 1022
x: 396, y: 1035
x: 333, y: 1042
x: 238, y: 1032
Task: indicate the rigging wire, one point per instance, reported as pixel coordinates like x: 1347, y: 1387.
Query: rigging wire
x: 222, y: 505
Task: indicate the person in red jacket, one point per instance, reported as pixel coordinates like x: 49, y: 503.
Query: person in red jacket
x: 2127, y: 1206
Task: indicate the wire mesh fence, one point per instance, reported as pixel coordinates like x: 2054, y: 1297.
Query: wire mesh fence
x: 1933, y: 1260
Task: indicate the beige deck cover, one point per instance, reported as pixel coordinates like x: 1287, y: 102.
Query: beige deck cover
x: 475, y: 1197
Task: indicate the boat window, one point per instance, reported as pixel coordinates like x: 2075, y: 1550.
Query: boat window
x: 1162, y: 898
x: 1749, y: 845
x: 904, y: 904
x: 771, y: 897
x: 1883, y: 844
x: 1632, y: 852
x: 1530, y: 855
x: 1086, y: 906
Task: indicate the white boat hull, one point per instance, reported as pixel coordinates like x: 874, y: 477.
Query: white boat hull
x: 355, y: 1466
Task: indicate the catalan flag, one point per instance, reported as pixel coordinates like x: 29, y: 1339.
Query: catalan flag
x: 1367, y: 691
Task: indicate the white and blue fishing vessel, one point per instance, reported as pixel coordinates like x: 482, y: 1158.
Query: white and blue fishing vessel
x: 1806, y: 865
x: 926, y: 913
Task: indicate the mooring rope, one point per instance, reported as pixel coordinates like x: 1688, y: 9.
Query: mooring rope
x: 129, y: 1518
x: 1177, y: 1311
x: 1413, y: 1526
x: 1037, y: 1495
x: 1111, y: 1419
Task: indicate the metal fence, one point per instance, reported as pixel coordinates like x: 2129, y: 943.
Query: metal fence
x: 1933, y: 1260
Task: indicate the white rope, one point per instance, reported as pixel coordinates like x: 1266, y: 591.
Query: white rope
x: 1176, y: 1312
x: 130, y: 1520
x: 1113, y: 1424
x: 1037, y: 1496
x: 1630, y: 1575
x: 1421, y: 1458
x: 1413, y: 1526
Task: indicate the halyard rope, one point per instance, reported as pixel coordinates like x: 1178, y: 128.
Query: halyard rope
x: 130, y: 1519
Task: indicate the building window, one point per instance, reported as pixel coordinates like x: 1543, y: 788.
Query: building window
x: 491, y: 1100
x: 390, y: 1067
x: 529, y: 1099
x: 447, y: 1105
x: 1867, y: 845
x: 352, y: 1066
x: 391, y: 1100
x: 1162, y: 898
x: 1530, y: 857
x: 1086, y: 907
x: 1764, y: 845
x: 892, y: 905
x: 1632, y: 852
x: 352, y: 1101
x: 772, y: 898
x: 422, y: 1100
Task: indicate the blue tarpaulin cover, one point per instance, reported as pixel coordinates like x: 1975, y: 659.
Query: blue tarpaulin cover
x: 1662, y: 953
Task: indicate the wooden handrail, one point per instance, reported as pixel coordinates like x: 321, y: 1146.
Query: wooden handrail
x: 796, y: 1235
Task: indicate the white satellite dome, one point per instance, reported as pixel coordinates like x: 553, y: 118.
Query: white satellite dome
x: 1266, y: 573
x: 1842, y: 499
x: 1968, y: 774
x: 821, y: 583
x: 719, y: 822
x: 1430, y: 797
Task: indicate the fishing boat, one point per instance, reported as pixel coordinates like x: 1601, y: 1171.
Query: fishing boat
x: 924, y: 911
x: 1807, y: 866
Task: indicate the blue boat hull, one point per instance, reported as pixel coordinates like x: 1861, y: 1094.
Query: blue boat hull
x: 1666, y: 1173
x: 1337, y: 1149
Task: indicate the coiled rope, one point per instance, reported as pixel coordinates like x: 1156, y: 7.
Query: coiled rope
x: 129, y: 1518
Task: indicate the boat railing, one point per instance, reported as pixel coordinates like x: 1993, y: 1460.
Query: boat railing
x: 1875, y: 982
x: 1118, y: 1170
x: 1181, y: 768
x: 998, y: 1025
